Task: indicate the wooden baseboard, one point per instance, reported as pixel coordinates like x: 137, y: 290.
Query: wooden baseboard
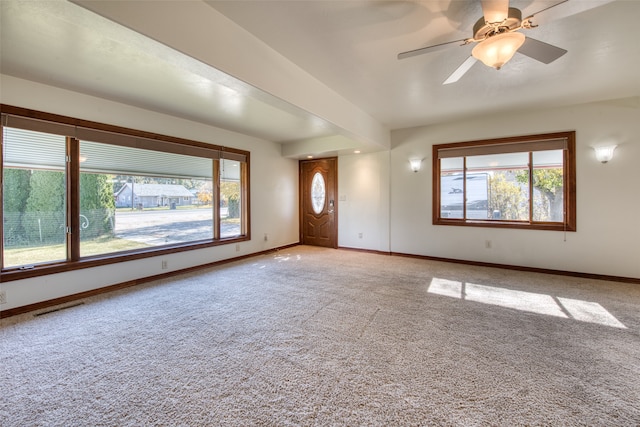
x: 70, y: 298
x: 370, y: 251
x: 81, y: 295
x: 504, y: 266
x: 522, y: 268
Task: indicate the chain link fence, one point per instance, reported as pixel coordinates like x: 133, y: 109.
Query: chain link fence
x: 28, y: 229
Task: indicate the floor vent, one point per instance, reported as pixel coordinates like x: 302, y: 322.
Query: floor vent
x: 58, y: 309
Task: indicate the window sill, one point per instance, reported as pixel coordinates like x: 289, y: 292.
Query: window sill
x: 507, y: 224
x: 19, y: 273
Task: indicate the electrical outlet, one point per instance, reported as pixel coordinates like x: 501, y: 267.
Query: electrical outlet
x: 3, y: 297
x: 165, y: 264
x: 359, y: 235
x: 487, y: 244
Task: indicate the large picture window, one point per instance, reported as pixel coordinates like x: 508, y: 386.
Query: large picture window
x: 520, y: 182
x: 77, y: 193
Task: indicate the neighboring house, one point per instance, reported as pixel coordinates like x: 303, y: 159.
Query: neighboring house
x: 152, y: 195
x: 194, y: 196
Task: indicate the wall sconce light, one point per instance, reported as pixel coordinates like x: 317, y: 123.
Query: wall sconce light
x: 604, y: 154
x: 415, y: 164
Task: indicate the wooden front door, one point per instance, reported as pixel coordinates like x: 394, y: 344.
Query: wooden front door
x: 318, y: 202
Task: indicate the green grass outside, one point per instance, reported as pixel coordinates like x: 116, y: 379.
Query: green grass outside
x: 33, y: 255
x: 230, y: 221
x: 14, y: 257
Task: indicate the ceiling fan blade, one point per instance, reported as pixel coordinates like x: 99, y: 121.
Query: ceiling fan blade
x: 541, y: 51
x: 563, y: 9
x: 461, y: 70
x: 429, y: 49
x: 495, y: 10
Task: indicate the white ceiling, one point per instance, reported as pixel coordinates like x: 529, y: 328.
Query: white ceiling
x: 352, y: 45
x: 320, y: 77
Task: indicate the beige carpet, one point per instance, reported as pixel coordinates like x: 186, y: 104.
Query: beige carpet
x: 315, y: 337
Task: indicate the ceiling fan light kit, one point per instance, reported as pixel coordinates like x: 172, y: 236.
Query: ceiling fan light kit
x: 499, y: 49
x: 498, y: 37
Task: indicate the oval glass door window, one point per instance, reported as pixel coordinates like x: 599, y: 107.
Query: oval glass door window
x: 317, y: 193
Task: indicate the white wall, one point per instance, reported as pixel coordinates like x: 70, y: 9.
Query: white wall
x: 607, y: 240
x: 273, y: 180
x: 363, y: 201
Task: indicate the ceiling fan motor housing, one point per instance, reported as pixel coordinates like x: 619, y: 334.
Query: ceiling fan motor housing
x: 483, y: 30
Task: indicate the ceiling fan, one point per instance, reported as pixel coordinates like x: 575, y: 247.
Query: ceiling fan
x: 498, y: 37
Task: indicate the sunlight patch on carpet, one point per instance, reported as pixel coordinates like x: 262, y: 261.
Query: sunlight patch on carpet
x: 583, y: 311
x: 284, y: 258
